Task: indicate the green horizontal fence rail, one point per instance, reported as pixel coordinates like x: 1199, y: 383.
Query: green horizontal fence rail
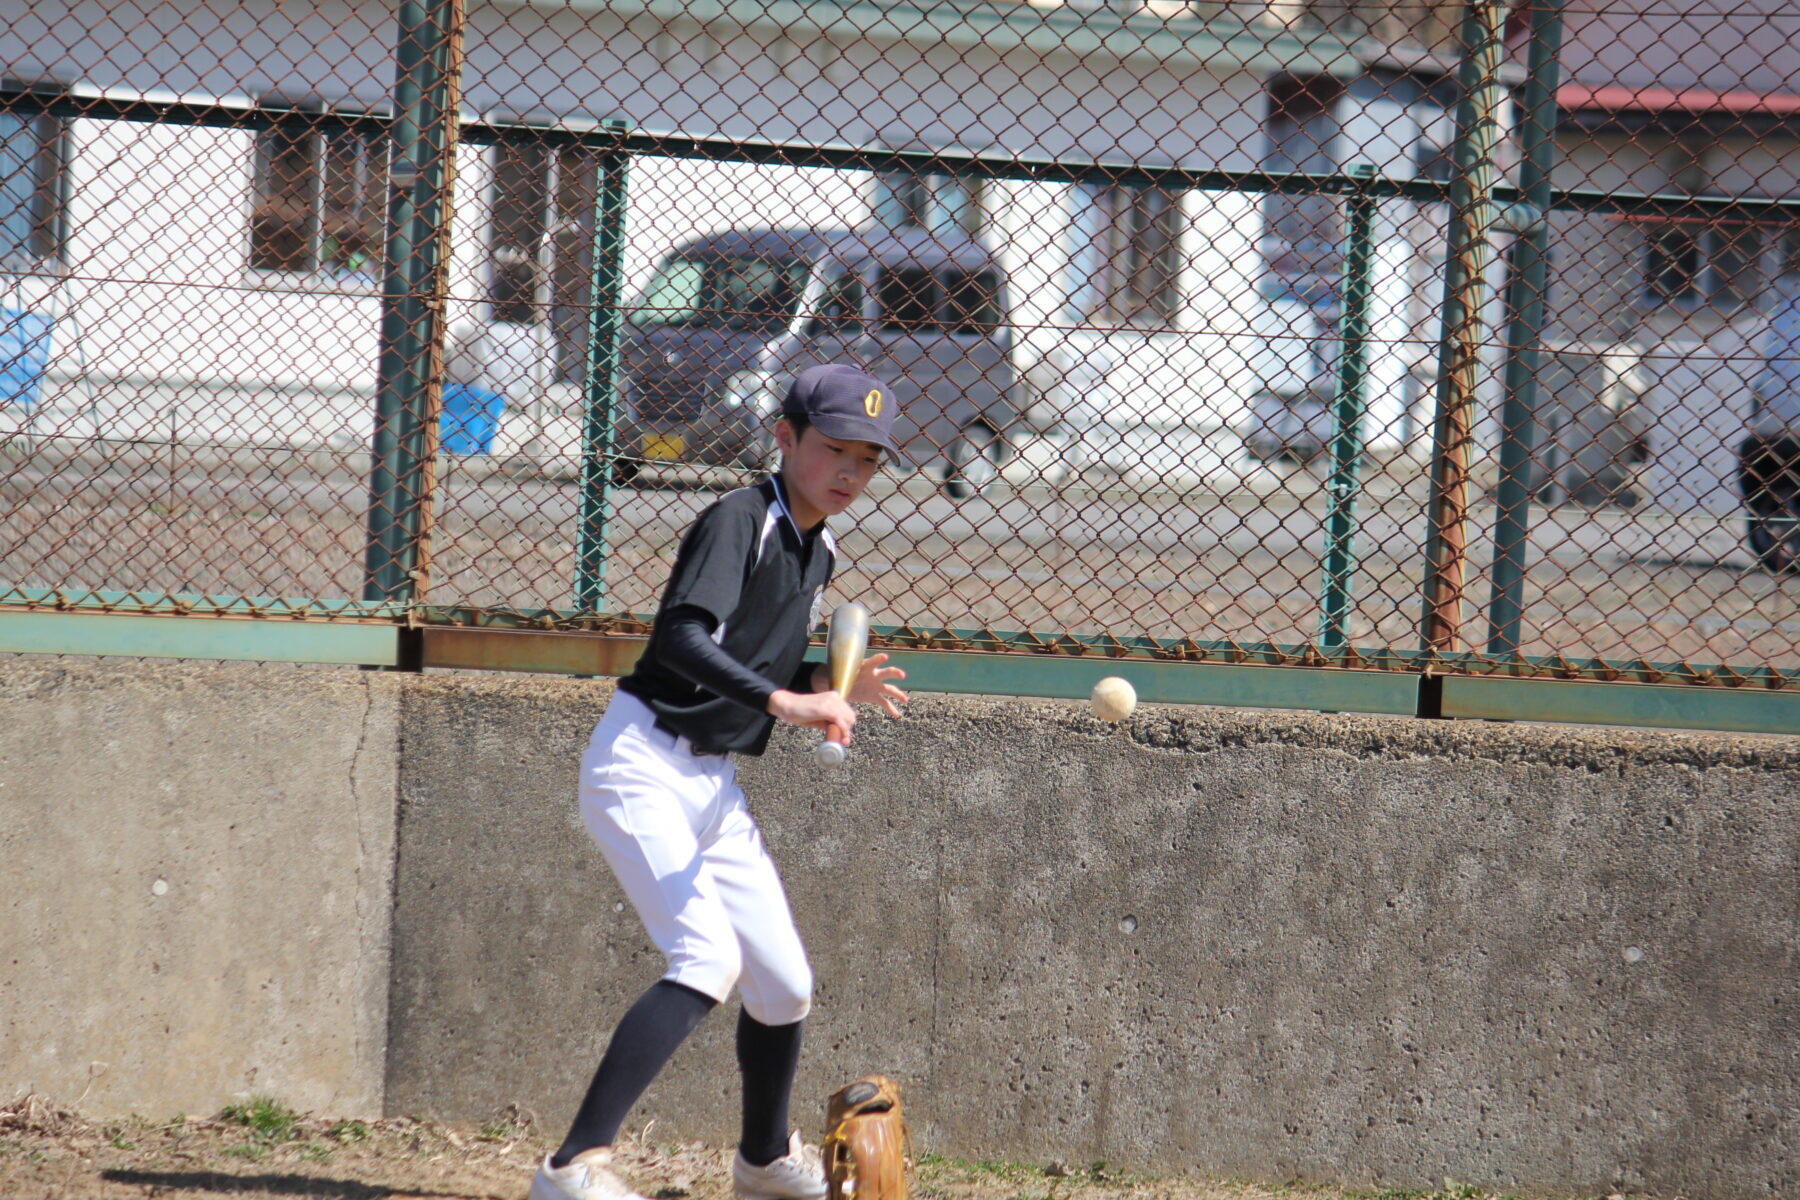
x: 1673, y: 696
x: 253, y: 639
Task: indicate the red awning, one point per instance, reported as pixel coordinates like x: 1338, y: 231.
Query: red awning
x: 1618, y: 98
x: 1771, y: 221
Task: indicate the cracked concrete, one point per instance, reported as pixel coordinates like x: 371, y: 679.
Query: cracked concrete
x: 1271, y: 945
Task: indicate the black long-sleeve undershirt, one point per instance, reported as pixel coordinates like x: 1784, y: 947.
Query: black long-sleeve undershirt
x: 686, y: 646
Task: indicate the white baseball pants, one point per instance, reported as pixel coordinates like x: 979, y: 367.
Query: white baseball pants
x: 676, y: 831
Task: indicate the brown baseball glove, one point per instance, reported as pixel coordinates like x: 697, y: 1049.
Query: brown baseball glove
x: 866, y: 1146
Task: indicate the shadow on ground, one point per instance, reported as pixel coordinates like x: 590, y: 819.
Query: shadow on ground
x: 279, y: 1185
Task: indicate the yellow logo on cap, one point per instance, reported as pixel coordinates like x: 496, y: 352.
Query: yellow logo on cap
x: 872, y: 403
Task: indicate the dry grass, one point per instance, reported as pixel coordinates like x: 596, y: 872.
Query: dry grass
x: 264, y: 1151
x: 255, y: 1151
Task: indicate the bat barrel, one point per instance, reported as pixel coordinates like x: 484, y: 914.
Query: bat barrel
x: 846, y: 644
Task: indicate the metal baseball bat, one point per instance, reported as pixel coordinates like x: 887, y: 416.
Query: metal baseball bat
x: 846, y: 642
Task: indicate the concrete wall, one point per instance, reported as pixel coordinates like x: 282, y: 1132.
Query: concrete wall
x: 1369, y: 950
x: 198, y: 862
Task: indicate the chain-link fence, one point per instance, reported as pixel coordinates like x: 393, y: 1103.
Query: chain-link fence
x: 1325, y: 331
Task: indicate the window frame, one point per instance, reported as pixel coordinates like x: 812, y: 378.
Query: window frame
x: 1708, y: 283
x: 310, y: 208
x: 47, y: 236
x: 517, y: 241
x: 539, y: 245
x: 1787, y: 250
x: 932, y: 201
x: 1138, y: 278
x: 361, y: 210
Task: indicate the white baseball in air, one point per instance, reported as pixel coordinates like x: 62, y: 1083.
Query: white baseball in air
x: 1113, y: 699
x: 831, y: 754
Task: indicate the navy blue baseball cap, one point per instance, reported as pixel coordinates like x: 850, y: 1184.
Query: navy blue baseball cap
x: 844, y: 403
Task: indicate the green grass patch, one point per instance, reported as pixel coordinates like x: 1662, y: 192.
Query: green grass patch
x: 348, y: 1131
x: 267, y: 1119
x: 500, y: 1129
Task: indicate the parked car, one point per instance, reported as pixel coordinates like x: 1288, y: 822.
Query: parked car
x: 728, y: 319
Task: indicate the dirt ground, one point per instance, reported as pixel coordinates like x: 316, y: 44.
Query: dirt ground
x: 263, y: 1151
x: 1086, y: 557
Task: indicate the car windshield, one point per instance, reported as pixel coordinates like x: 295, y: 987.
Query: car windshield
x: 722, y: 292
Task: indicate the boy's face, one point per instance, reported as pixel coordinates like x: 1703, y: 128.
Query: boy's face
x: 824, y: 476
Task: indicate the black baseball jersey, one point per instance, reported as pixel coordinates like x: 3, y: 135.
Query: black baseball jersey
x: 760, y: 579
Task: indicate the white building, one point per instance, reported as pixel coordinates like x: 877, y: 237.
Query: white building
x: 217, y: 283
x: 1703, y: 101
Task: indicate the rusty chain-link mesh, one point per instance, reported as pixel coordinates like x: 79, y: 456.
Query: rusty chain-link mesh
x: 1198, y: 310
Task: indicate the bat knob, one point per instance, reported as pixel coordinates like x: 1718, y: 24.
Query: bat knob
x: 831, y: 754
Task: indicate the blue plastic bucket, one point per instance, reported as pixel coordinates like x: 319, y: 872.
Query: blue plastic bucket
x: 470, y: 418
x: 24, y: 354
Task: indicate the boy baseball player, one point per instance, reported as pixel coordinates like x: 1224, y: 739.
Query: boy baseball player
x: 658, y: 793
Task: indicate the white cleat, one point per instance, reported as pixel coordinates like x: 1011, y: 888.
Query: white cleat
x: 797, y: 1175
x: 589, y: 1176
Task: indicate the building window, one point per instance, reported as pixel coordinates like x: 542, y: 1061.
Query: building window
x: 1692, y: 263
x: 319, y: 201
x: 963, y: 203
x: 518, y: 224
x: 540, y: 245
x: 902, y: 200
x: 942, y: 204
x: 1301, y: 246
x: 33, y: 185
x: 1135, y: 252
x: 354, y: 203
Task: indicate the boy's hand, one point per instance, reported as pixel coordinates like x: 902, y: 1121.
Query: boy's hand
x: 826, y: 711
x: 872, y: 687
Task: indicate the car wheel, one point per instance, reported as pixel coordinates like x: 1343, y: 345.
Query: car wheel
x: 972, y: 461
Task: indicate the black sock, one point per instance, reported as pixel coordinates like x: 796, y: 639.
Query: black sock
x: 647, y: 1036
x: 768, y: 1056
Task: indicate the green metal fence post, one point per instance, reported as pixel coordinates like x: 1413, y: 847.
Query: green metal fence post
x: 605, y: 325
x: 1525, y: 303
x: 409, y: 378
x: 1469, y: 252
x: 1348, y: 406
